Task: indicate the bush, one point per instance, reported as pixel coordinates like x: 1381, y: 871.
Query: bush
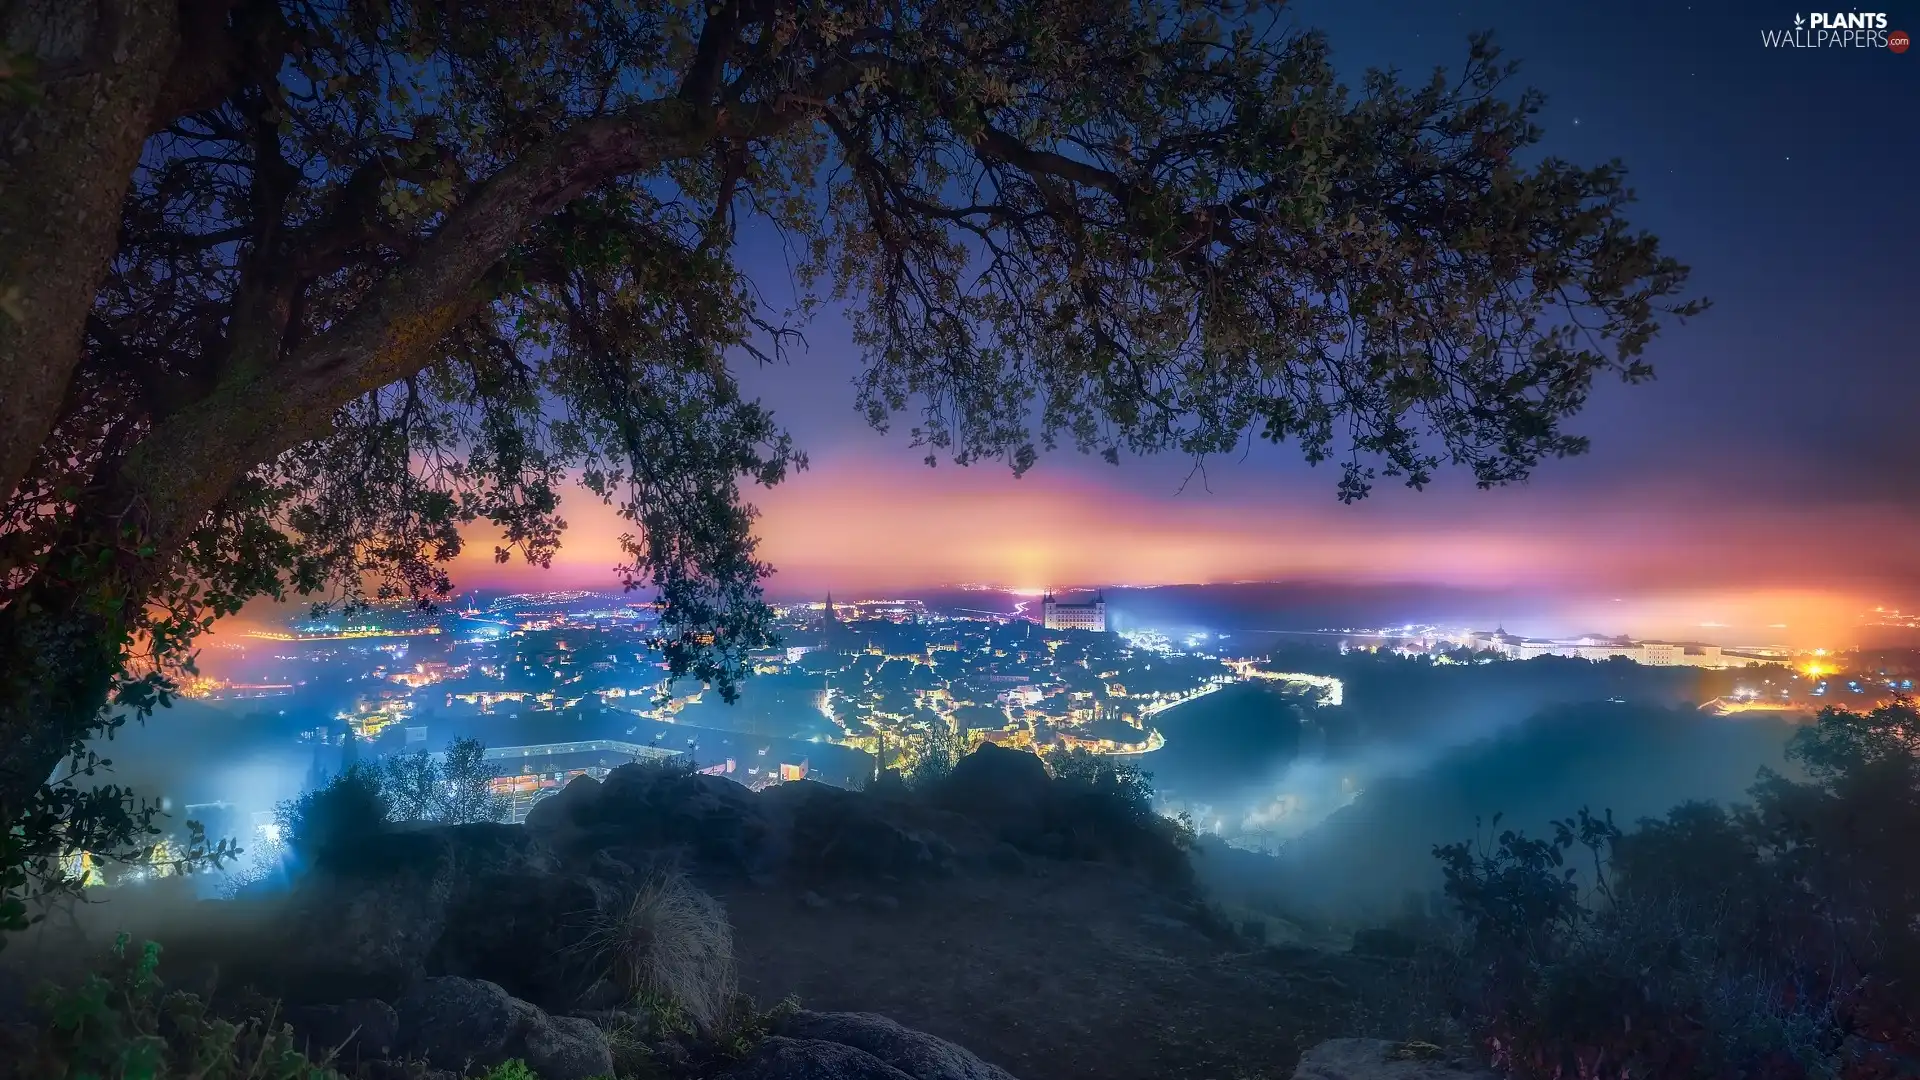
x: 353, y: 804
x: 670, y: 946
x: 457, y: 789
x: 122, y: 1024
x: 938, y: 753
x: 1773, y: 940
x: 1122, y: 783
x: 1106, y: 808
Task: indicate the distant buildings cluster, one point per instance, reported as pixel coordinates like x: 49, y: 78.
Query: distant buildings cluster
x: 1593, y: 647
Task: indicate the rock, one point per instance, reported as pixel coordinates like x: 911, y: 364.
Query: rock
x: 779, y: 1058
x: 455, y: 1023
x: 914, y: 1053
x: 580, y: 791
x: 717, y: 825
x: 1003, y: 789
x: 1170, y: 926
x: 1382, y: 1059
x: 840, y: 834
x: 527, y: 932
x: 1006, y: 859
x: 366, y: 918
x: 361, y: 1029
x: 889, y: 785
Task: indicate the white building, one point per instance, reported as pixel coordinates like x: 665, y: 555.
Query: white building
x: 1649, y: 653
x: 1089, y: 616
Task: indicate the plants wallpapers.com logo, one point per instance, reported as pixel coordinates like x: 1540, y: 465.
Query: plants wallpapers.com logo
x: 1842, y: 30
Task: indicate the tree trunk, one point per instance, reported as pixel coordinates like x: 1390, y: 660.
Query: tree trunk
x: 78, y: 80
x: 61, y: 656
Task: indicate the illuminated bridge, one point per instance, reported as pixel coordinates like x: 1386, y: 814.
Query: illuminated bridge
x: 524, y: 775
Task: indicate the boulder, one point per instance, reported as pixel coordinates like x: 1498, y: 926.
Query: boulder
x: 1383, y: 1059
x: 359, y: 1030
x: 527, y: 932
x: 714, y: 824
x: 915, y: 1053
x: 556, y: 811
x: 1006, y: 859
x: 367, y: 920
x: 834, y: 833
x: 1001, y: 788
x: 458, y: 1024
x: 779, y: 1058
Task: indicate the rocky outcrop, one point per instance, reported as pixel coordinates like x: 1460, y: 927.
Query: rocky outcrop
x: 527, y: 931
x: 915, y: 1053
x: 836, y: 833
x: 362, y: 1029
x: 1382, y: 1059
x: 780, y: 1058
x: 1005, y: 790
x: 487, y: 901
x: 460, y: 1024
x: 708, y: 823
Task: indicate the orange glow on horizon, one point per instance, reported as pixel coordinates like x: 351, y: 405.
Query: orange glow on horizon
x: 854, y: 524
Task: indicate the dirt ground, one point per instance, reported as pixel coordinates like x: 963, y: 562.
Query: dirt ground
x: 1082, y: 973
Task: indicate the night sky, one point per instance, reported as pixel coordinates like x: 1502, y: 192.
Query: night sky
x: 1770, y: 474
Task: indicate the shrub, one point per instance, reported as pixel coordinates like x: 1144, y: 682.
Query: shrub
x: 1123, y: 783
x: 354, y: 803
x: 467, y: 783
x: 670, y: 945
x: 1774, y: 940
x: 456, y: 789
x: 939, y: 752
x: 122, y: 1024
x: 1106, y: 807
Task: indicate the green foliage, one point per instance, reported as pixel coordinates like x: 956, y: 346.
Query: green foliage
x: 1105, y: 808
x: 1773, y: 940
x: 363, y: 798
x: 1123, y: 784
x: 938, y: 753
x: 467, y: 781
x: 455, y: 789
x: 512, y: 1069
x: 750, y: 1026
x: 108, y: 822
x: 353, y: 804
x: 123, y: 1024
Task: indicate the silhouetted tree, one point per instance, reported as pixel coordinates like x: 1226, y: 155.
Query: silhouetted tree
x: 413, y: 786
x: 290, y: 292
x: 469, y: 785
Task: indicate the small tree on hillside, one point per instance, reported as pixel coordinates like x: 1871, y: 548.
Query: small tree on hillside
x: 352, y: 804
x: 413, y: 786
x: 468, y: 781
x: 454, y: 789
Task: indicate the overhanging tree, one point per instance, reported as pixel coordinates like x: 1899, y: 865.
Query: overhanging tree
x: 294, y: 289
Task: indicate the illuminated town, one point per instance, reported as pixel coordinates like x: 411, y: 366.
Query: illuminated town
x: 854, y: 687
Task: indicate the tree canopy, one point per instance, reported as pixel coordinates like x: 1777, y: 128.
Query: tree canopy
x: 296, y: 289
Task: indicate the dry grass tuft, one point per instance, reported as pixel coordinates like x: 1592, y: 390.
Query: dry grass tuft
x: 670, y: 944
